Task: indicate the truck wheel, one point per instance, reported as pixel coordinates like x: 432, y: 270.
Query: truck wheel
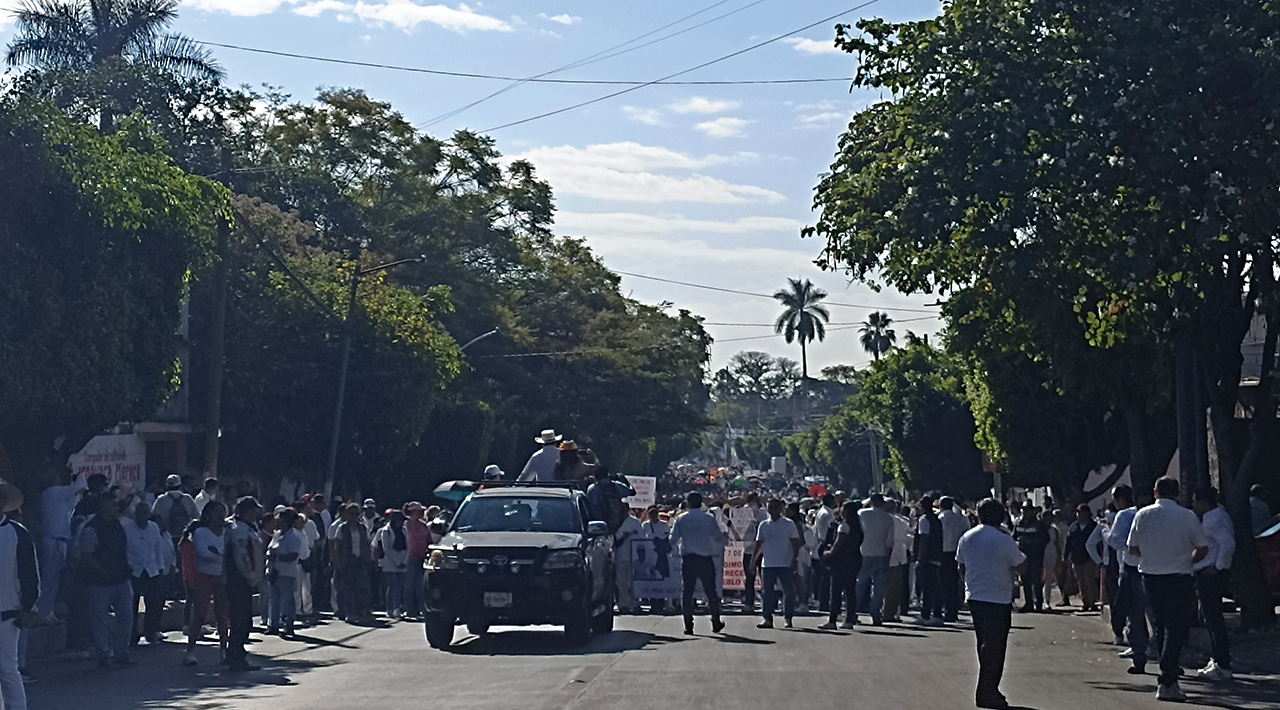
x: 603, y: 623
x: 577, y: 629
x: 439, y: 630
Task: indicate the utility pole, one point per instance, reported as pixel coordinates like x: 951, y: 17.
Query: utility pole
x: 217, y: 349
x: 348, y: 333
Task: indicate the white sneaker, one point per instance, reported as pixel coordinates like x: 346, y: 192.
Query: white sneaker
x: 1213, y: 672
x: 1171, y: 693
x: 1127, y: 653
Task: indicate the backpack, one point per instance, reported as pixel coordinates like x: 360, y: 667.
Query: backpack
x: 176, y: 520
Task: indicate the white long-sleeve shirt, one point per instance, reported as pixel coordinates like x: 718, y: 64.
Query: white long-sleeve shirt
x: 1097, y: 538
x: 146, y: 549
x: 1221, y: 532
x: 1118, y: 538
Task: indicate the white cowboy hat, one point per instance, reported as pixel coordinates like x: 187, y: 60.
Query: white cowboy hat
x: 548, y: 436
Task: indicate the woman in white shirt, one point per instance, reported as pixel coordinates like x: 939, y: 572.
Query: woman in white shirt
x: 658, y: 530
x: 282, y: 572
x: 209, y: 585
x: 391, y: 550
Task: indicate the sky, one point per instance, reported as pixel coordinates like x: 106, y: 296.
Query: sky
x: 700, y: 184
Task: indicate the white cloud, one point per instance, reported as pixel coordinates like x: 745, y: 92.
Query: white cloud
x: 401, y: 13
x: 565, y: 19
x: 699, y: 104
x: 724, y: 127
x: 629, y: 224
x: 625, y: 172
x: 243, y: 8
x: 822, y: 120
x: 649, y: 116
x: 813, y: 46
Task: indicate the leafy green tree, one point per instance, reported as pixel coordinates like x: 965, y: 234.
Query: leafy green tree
x: 120, y: 44
x: 915, y: 397
x: 803, y: 317
x: 1097, y: 149
x: 876, y: 335
x: 288, y: 314
x: 99, y: 238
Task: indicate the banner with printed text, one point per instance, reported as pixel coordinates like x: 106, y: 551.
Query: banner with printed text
x: 122, y: 458
x: 646, y: 491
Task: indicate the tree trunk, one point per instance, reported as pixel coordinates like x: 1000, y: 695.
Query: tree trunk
x: 1141, y: 471
x: 804, y: 360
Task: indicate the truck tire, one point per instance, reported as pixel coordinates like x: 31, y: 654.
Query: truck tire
x: 439, y: 630
x: 603, y: 622
x: 577, y: 629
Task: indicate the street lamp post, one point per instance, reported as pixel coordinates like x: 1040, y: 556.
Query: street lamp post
x: 347, y: 335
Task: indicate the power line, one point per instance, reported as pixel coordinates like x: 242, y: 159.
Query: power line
x: 601, y: 55
x: 471, y: 75
x: 763, y: 295
x: 686, y: 71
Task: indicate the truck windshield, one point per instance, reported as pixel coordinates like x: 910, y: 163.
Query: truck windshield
x: 517, y: 515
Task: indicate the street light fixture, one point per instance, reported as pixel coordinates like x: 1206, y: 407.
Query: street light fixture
x: 332, y: 464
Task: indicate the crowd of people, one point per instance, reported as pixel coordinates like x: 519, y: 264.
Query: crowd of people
x: 102, y: 550
x: 1158, y: 565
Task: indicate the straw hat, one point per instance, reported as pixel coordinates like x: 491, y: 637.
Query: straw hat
x: 11, y: 496
x: 548, y: 436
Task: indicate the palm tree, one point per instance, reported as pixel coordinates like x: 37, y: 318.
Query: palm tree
x: 803, y: 316
x: 876, y: 335
x: 99, y: 36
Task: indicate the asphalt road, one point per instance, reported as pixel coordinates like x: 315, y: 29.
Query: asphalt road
x: 1055, y: 661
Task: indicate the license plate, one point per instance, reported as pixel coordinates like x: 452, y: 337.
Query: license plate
x: 497, y: 600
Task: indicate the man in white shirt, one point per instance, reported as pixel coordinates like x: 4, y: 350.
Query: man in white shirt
x: 1211, y: 580
x: 988, y: 558
x: 624, y: 570
x: 57, y: 503
x: 877, y: 545
x: 757, y: 516
x: 954, y: 525
x: 19, y: 590
x: 147, y: 561
x: 899, y: 559
x: 821, y: 526
x: 208, y: 493
x: 541, y: 466
x: 698, y: 537
x: 777, y: 542
x: 1170, y: 540
x: 1131, y: 604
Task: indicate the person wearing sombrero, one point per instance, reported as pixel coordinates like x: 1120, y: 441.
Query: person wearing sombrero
x: 19, y: 590
x: 542, y: 464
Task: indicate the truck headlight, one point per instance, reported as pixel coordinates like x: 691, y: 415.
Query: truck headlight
x: 563, y: 559
x: 441, y: 560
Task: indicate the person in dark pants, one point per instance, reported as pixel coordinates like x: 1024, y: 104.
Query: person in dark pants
x: 245, y: 567
x: 1170, y: 540
x: 824, y: 526
x: 748, y: 552
x: 843, y: 563
x: 928, y: 548
x: 698, y: 537
x: 988, y: 558
x: 1212, y: 581
x: 1032, y: 536
x: 147, y: 554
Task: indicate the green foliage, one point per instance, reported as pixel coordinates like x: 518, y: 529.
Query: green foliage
x: 803, y: 316
x: 915, y: 396
x: 98, y: 240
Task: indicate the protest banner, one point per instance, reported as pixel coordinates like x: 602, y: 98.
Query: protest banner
x: 646, y: 491
x: 657, y: 570
x: 735, y: 577
x: 122, y: 458
x: 740, y: 519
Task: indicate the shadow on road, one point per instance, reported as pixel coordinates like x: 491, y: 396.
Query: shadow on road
x: 160, y: 681
x: 552, y: 643
x: 1243, y: 692
x: 901, y: 634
